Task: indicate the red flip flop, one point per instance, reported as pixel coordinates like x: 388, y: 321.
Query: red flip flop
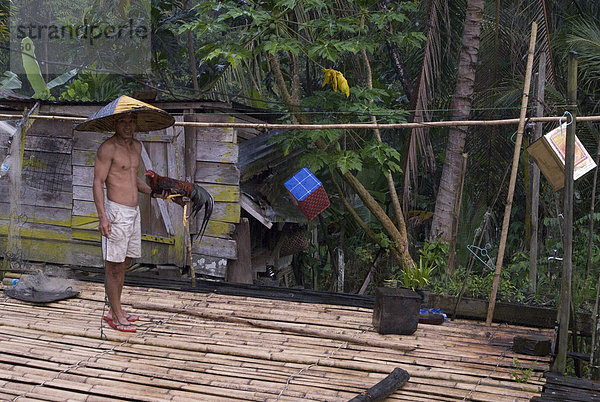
x: 130, y: 318
x: 118, y: 326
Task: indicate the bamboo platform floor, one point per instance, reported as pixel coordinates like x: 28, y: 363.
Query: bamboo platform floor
x: 206, y: 346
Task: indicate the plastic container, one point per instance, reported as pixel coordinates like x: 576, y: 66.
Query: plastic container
x: 396, y: 311
x: 9, y: 281
x: 5, y: 166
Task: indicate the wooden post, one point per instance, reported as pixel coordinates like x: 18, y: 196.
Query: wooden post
x: 513, y: 176
x: 315, y: 242
x: 17, y: 148
x: 535, y: 176
x: 588, y: 264
x: 457, y: 203
x: 188, y: 242
x: 240, y: 270
x: 594, y: 367
x: 560, y: 363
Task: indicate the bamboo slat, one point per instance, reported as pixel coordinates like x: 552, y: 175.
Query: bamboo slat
x: 199, y: 346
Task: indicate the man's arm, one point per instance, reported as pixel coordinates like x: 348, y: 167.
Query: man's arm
x: 143, y: 187
x: 101, y: 168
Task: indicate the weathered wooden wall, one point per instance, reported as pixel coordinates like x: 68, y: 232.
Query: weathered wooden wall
x: 46, y: 199
x: 59, y: 219
x: 215, y: 156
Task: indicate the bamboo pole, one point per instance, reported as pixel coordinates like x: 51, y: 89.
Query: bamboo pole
x: 560, y: 363
x: 513, y: 175
x: 344, y: 126
x: 535, y: 177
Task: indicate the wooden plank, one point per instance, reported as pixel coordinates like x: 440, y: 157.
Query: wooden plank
x: 218, y: 173
x: 42, y: 143
x: 83, y: 175
x: 56, y: 129
x: 36, y: 197
x: 249, y: 206
x: 165, y: 135
x: 209, y: 265
x: 225, y: 212
x: 220, y: 229
x: 60, y: 252
x: 84, y: 208
x: 161, y: 203
x: 89, y: 141
x: 83, y: 193
x: 214, y: 134
x: 36, y: 214
x: 48, y: 143
x: 81, y: 157
x: 176, y: 169
x: 84, y: 222
x: 216, y: 247
x: 69, y: 110
x: 222, y: 192
x: 38, y: 231
x: 222, y: 152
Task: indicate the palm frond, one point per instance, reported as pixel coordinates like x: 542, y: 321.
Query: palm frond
x: 428, y: 82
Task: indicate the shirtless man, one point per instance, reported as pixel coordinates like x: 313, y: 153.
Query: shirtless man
x: 117, y: 163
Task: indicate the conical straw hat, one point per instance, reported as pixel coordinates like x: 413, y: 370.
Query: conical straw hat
x: 149, y: 118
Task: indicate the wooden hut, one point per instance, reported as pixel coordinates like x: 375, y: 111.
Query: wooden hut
x: 57, y: 221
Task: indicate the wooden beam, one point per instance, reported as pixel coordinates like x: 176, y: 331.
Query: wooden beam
x: 249, y: 206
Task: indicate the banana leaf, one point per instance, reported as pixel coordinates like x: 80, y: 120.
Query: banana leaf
x: 11, y: 81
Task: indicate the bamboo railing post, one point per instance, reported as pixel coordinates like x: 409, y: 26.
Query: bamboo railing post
x: 513, y: 175
x: 535, y: 177
x: 560, y: 363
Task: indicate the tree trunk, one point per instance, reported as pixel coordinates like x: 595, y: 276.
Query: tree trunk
x: 441, y: 226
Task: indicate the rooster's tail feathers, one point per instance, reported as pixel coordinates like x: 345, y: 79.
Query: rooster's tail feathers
x: 201, y: 198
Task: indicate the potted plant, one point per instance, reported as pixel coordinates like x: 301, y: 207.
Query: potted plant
x: 418, y: 277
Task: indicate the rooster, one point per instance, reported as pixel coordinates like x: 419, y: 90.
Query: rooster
x: 177, y: 189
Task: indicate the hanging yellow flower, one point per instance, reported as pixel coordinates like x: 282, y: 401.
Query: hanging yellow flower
x: 338, y: 81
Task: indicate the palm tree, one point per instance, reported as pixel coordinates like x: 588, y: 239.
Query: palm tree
x: 444, y: 206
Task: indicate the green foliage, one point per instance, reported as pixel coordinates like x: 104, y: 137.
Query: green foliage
x: 521, y: 374
x: 435, y: 253
x: 417, y: 277
x: 10, y: 81
x: 479, y: 285
x: 93, y: 86
x: 32, y: 69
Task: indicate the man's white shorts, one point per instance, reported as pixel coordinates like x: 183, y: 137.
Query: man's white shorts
x: 125, y: 235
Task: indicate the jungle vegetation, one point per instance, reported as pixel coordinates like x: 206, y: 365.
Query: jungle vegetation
x: 393, y: 192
